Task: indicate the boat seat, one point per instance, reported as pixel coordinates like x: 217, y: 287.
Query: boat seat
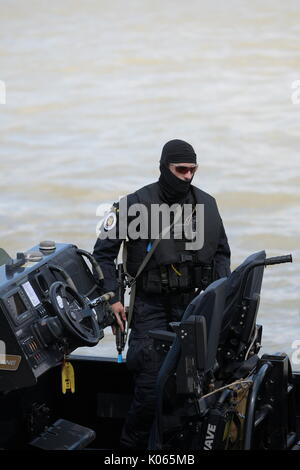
x: 212, y: 326
x: 239, y: 327
x: 209, y: 306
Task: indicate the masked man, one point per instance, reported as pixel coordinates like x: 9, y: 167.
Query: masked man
x: 178, y: 268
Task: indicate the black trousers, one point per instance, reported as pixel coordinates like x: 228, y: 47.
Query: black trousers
x: 144, y: 360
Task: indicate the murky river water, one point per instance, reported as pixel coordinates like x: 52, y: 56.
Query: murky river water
x: 95, y: 88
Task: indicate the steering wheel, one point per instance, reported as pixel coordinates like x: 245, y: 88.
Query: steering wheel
x: 75, y: 314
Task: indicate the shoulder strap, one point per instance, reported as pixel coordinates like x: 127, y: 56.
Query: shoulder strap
x: 131, y: 279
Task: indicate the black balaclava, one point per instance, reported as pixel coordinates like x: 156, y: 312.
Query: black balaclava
x: 175, y: 151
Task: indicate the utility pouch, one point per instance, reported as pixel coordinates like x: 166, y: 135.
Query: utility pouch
x: 207, y: 275
x: 179, y: 277
x: 197, y: 276
x: 185, y: 279
x: 203, y: 275
x: 164, y: 278
x: 173, y: 279
x: 151, y: 282
x: 167, y: 279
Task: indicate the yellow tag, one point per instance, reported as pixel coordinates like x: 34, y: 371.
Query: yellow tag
x: 67, y: 377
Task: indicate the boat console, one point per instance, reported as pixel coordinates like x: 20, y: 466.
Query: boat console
x: 48, y: 309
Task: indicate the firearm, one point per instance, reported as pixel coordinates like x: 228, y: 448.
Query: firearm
x: 105, y: 315
x: 108, y: 319
x: 120, y: 335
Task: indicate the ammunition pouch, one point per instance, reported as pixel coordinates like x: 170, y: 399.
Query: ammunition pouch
x: 182, y: 277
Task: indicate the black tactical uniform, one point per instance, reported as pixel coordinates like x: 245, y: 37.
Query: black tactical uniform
x: 167, y: 283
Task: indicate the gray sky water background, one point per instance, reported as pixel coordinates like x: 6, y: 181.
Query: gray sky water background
x: 95, y: 88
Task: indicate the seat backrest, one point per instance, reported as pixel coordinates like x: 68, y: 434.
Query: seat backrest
x: 241, y: 306
x: 210, y: 306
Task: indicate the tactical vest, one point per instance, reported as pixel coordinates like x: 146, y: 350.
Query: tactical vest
x: 173, y: 267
